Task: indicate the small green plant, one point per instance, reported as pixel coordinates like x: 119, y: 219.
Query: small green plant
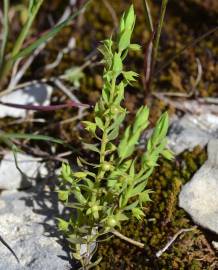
x: 103, y: 195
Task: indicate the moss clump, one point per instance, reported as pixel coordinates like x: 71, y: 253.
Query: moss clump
x: 163, y: 219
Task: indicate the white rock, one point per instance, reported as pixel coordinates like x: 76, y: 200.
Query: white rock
x: 192, y: 130
x: 11, y: 178
x: 28, y: 226
x: 199, y: 196
x: 35, y: 94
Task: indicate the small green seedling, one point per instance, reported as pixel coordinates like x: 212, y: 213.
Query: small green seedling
x: 104, y: 194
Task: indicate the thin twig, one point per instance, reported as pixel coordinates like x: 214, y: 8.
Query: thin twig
x: 210, y: 100
x: 160, y: 252
x: 70, y: 46
x: 65, y: 90
x: 127, y: 239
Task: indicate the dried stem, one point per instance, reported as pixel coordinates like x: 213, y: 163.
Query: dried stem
x: 127, y: 239
x: 160, y: 252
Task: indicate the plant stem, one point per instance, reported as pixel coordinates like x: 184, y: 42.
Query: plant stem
x: 127, y: 239
x: 104, y: 136
x: 159, y: 28
x: 113, y: 85
x: 148, y: 17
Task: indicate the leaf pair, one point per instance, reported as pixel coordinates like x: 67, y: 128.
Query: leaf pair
x: 133, y: 133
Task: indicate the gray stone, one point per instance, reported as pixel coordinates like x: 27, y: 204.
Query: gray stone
x: 11, y: 178
x: 27, y: 225
x: 192, y: 130
x: 199, y: 196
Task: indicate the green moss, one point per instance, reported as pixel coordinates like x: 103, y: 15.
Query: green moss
x: 163, y: 219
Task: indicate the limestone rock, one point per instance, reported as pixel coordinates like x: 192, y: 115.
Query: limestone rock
x: 192, y: 130
x: 27, y: 225
x: 199, y: 196
x: 12, y: 178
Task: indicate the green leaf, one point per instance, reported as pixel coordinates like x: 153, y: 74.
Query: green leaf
x: 132, y: 169
x: 106, y: 93
x: 122, y: 148
x: 135, y: 47
x: 76, y: 256
x: 161, y: 129
x: 99, y: 122
x: 110, y: 148
x: 144, y: 196
x: 90, y: 126
x: 137, y: 190
x: 122, y: 24
x: 168, y: 154
x: 141, y: 121
x: 130, y: 76
x: 80, y: 174
x: 33, y: 9
x: 117, y: 121
x: 5, y: 32
x: 138, y: 213
x: 78, y: 206
x: 126, y: 28
x: 131, y: 206
x: 121, y: 217
x: 81, y: 161
x: 75, y: 239
x: 120, y: 93
x: 129, y: 18
x: 78, y: 195
x: 30, y: 137
x: 117, y: 64
x: 113, y: 134
x: 66, y: 172
x: 63, y: 195
x: 91, y: 147
x: 89, y: 183
x: 62, y: 225
x: 106, y: 50
x: 124, y: 41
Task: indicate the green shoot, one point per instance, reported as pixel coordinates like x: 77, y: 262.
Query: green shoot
x: 5, y: 32
x: 103, y: 194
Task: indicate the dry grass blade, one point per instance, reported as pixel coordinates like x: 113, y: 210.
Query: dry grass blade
x: 148, y: 17
x: 159, y: 29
